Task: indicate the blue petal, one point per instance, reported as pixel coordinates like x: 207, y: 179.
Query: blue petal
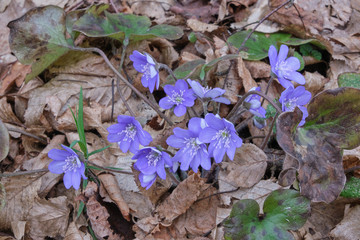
x: 282, y: 53
x: 56, y: 167
x: 231, y: 151
x: 125, y: 119
x: 222, y: 100
x: 76, y: 179
x: 196, y: 125
x: 207, y: 134
x: 213, y: 93
x: 197, y: 88
x: 118, y: 127
x: 165, y: 103
x: 292, y: 63
x: 180, y: 110
x: 160, y: 169
x: 214, y: 122
x: 69, y: 150
x: 205, y: 160
x: 285, y: 83
x: 168, y: 89
x: 297, y: 77
x: 116, y: 137
x: 175, y: 142
x: 68, y: 179
x: 219, y: 153
x: 134, y: 147
x: 181, y: 85
x: 272, y: 56
x: 58, y: 155
x: 144, y: 137
x: 124, y: 146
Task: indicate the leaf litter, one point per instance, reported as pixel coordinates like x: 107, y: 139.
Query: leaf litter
x: 199, y: 205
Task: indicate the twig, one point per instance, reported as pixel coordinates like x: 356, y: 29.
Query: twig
x: 24, y: 173
x: 112, y: 100
x: 218, y: 193
x: 108, y: 169
x: 168, y: 70
x: 171, y: 175
x: 102, y: 54
x: 263, y: 145
x: 28, y: 134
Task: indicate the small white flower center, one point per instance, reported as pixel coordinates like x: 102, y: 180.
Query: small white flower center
x: 290, y: 104
x: 192, y: 146
x: 223, y: 138
x: 153, y: 157
x: 72, y: 163
x: 177, y: 97
x: 130, y: 132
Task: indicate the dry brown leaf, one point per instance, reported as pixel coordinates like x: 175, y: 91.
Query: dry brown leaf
x: 315, y: 82
x: 16, y: 76
x: 140, y: 206
x: 199, y: 26
x: 245, y: 76
x: 258, y: 69
x: 182, y: 198
x: 20, y: 191
x: 48, y: 218
x: 200, y: 218
x: 98, y: 215
x: 6, y: 113
x: 258, y: 192
x: 348, y: 228
x: 153, y: 10
x: 73, y: 233
x: 247, y: 168
x: 110, y: 184
x: 18, y: 228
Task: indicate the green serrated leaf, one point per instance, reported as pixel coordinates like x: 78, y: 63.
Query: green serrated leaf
x: 332, y: 125
x: 284, y: 210
x: 349, y: 80
x: 352, y: 188
x: 316, y: 54
x: 270, y: 111
x: 38, y: 38
x: 4, y: 140
x: 97, y: 22
x: 306, y: 49
x: 301, y: 59
x: 257, y: 47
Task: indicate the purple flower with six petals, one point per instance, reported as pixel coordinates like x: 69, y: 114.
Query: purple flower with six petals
x: 192, y: 151
x: 285, y: 69
x: 204, y: 93
x: 222, y: 136
x: 179, y: 96
x: 128, y: 133
x: 68, y: 162
x: 145, y: 64
x: 151, y: 163
x: 255, y: 103
x: 298, y: 97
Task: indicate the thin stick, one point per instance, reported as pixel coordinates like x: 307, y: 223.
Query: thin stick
x: 171, y: 175
x: 102, y: 54
x: 112, y: 100
x: 263, y: 145
x: 168, y: 70
x: 28, y: 134
x: 218, y: 193
x: 14, y: 174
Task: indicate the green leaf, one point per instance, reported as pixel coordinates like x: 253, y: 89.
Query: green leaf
x: 97, y: 22
x: 98, y: 150
x: 352, y: 188
x: 301, y: 59
x: 257, y: 47
x: 184, y: 70
x: 74, y: 143
x: 284, y: 210
x: 38, y: 38
x: 306, y: 49
x: 332, y: 125
x: 192, y: 37
x: 316, y: 54
x: 4, y: 140
x: 80, y: 209
x: 206, y: 67
x: 349, y: 80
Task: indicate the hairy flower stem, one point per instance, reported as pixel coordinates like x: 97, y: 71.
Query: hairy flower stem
x: 231, y: 116
x: 205, y: 105
x: 168, y: 70
x: 263, y: 145
x: 107, y: 61
x: 173, y: 178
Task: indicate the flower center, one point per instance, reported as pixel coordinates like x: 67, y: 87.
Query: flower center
x: 153, y: 157
x: 177, y: 97
x: 72, y: 163
x: 290, y: 104
x: 130, y: 132
x: 192, y: 146
x: 223, y: 138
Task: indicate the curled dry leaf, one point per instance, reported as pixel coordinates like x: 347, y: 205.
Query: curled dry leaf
x: 245, y: 76
x: 98, y: 214
x: 181, y: 199
x: 349, y: 227
x: 199, y: 26
x: 288, y: 175
x: 48, y: 218
x: 258, y: 69
x: 6, y: 113
x: 247, y: 169
x: 17, y: 76
x: 315, y: 82
x: 20, y: 191
x: 112, y: 188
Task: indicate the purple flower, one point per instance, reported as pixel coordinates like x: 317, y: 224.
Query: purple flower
x: 151, y: 163
x: 179, y: 96
x: 208, y: 93
x: 285, y: 69
x: 255, y: 103
x: 192, y: 151
x: 145, y: 64
x: 222, y: 136
x: 68, y: 162
x: 128, y: 133
x: 298, y: 97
